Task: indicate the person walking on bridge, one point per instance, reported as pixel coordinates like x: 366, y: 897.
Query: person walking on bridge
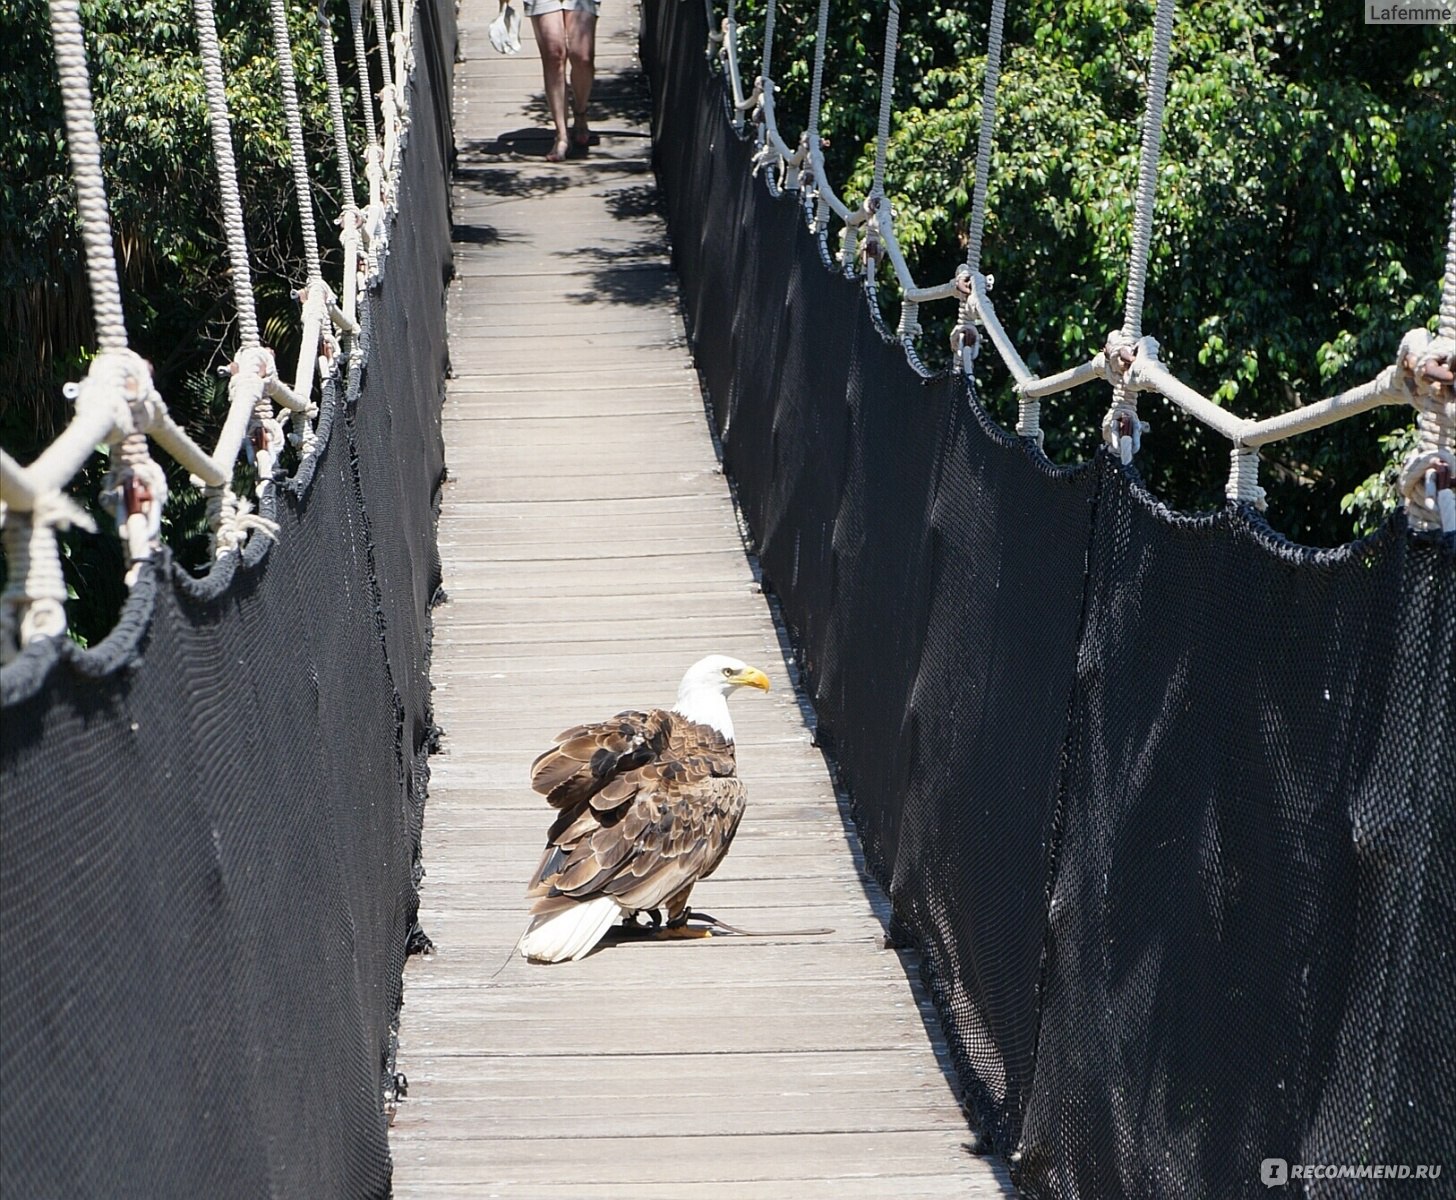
x: 566, y: 31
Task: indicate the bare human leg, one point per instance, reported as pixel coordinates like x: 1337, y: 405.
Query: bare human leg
x: 550, y: 31
x: 581, y: 40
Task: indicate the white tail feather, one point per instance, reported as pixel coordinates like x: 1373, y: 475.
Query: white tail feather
x: 571, y: 933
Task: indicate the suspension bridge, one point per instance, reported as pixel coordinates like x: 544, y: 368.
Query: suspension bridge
x: 1048, y: 894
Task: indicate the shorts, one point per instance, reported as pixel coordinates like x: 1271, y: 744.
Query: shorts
x: 539, y: 8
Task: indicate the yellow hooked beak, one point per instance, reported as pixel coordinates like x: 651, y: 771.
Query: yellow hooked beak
x: 750, y: 677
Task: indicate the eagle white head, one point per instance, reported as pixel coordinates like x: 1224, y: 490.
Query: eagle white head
x: 702, y: 695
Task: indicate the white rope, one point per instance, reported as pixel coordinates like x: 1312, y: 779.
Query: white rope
x: 336, y: 107
x: 133, y: 476
x: 987, y: 131
x: 867, y: 216
x: 1122, y: 429
x: 227, y: 172
x: 33, y: 605
x: 1243, y: 481
x: 232, y: 520
x: 319, y: 347
x: 729, y: 55
x: 887, y: 89
x: 965, y: 340
x: 351, y: 221
x: 404, y: 63
x: 816, y: 86
x: 1142, y: 227
x: 816, y: 186
x: 388, y: 95
x: 361, y: 64
x: 773, y: 151
x: 293, y: 122
x: 1447, y: 326
x: 85, y: 154
x: 381, y: 39
x: 763, y: 92
x: 768, y: 37
x: 117, y: 402
x: 375, y: 221
x: 1428, y: 478
x: 270, y: 388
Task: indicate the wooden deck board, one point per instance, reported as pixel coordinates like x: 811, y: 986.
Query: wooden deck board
x: 591, y: 552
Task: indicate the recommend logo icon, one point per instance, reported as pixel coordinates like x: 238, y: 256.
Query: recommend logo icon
x: 1274, y: 1172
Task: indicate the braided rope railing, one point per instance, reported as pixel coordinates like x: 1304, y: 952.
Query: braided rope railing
x: 819, y: 194
x: 253, y: 382
x: 1121, y: 427
x: 864, y: 221
x: 117, y: 403
x: 1423, y: 375
x: 773, y: 151
x: 1428, y: 365
x: 404, y: 62
x: 85, y: 152
x: 351, y: 220
x: 729, y: 57
x: 388, y: 98
x: 1130, y: 362
x: 376, y: 216
x: 322, y: 317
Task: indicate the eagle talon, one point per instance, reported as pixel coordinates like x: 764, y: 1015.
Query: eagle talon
x: 682, y: 932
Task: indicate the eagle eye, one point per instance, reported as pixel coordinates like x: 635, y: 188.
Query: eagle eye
x: 727, y: 671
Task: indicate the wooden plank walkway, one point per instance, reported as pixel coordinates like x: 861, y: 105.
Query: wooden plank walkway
x: 591, y: 553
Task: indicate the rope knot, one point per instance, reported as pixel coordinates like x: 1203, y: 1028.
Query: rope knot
x: 1428, y: 479
x: 1428, y: 364
x: 1028, y: 419
x: 328, y: 359
x: 1120, y: 351
x: 871, y: 249
x: 120, y: 382
x: 1428, y: 485
x: 254, y: 360
x: 56, y: 510
x: 232, y: 519
x: 1243, y: 481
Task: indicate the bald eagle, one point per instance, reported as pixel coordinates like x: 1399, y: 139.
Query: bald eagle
x: 649, y: 803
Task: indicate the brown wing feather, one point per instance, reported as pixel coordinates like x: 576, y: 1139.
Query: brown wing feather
x: 643, y: 830
x: 589, y: 759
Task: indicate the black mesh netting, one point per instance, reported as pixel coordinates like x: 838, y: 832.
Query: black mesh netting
x: 209, y: 822
x: 1165, y: 801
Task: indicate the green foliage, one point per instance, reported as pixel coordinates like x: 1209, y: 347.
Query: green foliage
x: 1300, y: 224
x: 157, y: 155
x: 1375, y: 496
x: 151, y: 119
